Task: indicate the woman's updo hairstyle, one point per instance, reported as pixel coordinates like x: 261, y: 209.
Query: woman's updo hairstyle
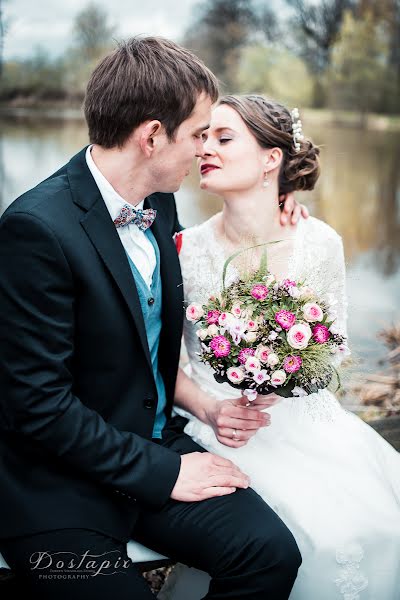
x: 272, y: 126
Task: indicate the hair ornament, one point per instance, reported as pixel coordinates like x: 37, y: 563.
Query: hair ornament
x: 297, y: 128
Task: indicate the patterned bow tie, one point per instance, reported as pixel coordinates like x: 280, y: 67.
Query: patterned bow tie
x: 143, y: 218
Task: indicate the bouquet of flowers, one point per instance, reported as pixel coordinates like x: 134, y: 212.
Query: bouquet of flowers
x: 262, y: 335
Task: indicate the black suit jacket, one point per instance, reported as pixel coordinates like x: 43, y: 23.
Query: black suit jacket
x: 78, y: 396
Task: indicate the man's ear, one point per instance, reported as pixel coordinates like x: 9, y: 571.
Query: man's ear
x: 273, y: 159
x: 150, y: 136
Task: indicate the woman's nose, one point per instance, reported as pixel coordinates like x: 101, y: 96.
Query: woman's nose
x: 208, y: 148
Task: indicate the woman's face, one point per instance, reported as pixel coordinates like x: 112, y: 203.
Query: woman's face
x: 232, y: 159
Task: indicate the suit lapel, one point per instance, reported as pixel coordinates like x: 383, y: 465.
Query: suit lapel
x: 100, y: 229
x: 169, y: 266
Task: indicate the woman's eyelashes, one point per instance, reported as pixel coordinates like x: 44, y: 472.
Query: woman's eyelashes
x: 220, y: 140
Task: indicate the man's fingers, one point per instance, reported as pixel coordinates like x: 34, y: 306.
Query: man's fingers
x: 229, y: 481
x: 222, y: 462
x: 296, y: 215
x: 212, y: 492
x: 305, y: 213
x: 289, y: 201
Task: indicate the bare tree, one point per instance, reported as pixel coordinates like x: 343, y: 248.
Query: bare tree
x: 219, y: 30
x: 314, y: 30
x: 92, y: 30
x: 317, y: 26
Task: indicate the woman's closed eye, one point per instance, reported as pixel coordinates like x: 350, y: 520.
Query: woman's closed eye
x: 224, y: 140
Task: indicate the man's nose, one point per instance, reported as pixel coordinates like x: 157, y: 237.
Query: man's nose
x: 207, y: 149
x: 200, y: 149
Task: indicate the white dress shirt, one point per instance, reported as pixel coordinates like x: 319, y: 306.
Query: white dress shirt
x: 137, y: 245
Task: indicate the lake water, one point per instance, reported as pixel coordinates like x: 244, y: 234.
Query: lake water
x: 358, y: 194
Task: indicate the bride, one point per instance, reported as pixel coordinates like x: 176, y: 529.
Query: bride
x: 330, y: 477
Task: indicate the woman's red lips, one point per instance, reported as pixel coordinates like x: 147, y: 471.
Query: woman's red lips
x: 207, y: 167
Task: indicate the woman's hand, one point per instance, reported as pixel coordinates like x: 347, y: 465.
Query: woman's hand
x: 233, y: 422
x: 292, y: 210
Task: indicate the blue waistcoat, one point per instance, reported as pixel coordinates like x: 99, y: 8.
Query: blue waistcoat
x: 152, y: 319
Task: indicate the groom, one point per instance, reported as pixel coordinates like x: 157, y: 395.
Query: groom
x: 90, y: 325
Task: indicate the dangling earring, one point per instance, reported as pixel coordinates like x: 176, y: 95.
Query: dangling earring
x: 266, y: 181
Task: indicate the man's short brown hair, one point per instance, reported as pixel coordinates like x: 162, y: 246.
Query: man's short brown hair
x: 144, y: 78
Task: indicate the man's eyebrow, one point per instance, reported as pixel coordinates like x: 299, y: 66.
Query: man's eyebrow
x: 203, y: 128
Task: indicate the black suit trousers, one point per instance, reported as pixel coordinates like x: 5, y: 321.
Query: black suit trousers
x: 237, y: 539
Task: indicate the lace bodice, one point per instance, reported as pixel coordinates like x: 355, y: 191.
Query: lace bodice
x: 317, y: 257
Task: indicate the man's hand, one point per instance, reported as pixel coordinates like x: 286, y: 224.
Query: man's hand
x: 292, y: 210
x: 204, y: 475
x: 233, y: 419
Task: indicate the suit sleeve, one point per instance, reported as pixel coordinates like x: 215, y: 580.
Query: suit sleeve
x: 36, y: 354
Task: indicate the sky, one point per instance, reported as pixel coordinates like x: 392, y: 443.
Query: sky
x: 48, y: 23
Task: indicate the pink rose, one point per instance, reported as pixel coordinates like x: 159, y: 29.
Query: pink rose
x: 252, y: 364
x: 213, y: 316
x: 236, y: 310
x: 259, y: 292
x: 278, y: 378
x: 292, y: 364
x: 194, y: 312
x: 285, y: 319
x: 321, y: 334
x: 235, y: 375
x: 252, y: 325
x: 244, y: 354
x: 220, y: 346
x: 312, y: 312
x: 298, y: 336
x: 262, y: 353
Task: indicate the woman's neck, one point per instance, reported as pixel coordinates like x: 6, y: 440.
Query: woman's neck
x: 251, y: 218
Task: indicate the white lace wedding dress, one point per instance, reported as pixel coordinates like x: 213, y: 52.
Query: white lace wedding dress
x: 330, y: 477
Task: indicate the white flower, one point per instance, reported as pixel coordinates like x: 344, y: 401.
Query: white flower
x: 312, y: 312
x: 298, y: 336
x: 251, y: 337
x: 306, y: 292
x: 294, y: 292
x: 260, y: 376
x: 298, y: 391
x: 252, y: 364
x: 202, y: 334
x: 278, y: 378
x: 269, y: 279
x: 235, y: 375
x: 236, y: 329
x: 272, y: 336
x: 212, y: 330
x: 194, y: 312
x: 272, y: 359
x: 225, y: 318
